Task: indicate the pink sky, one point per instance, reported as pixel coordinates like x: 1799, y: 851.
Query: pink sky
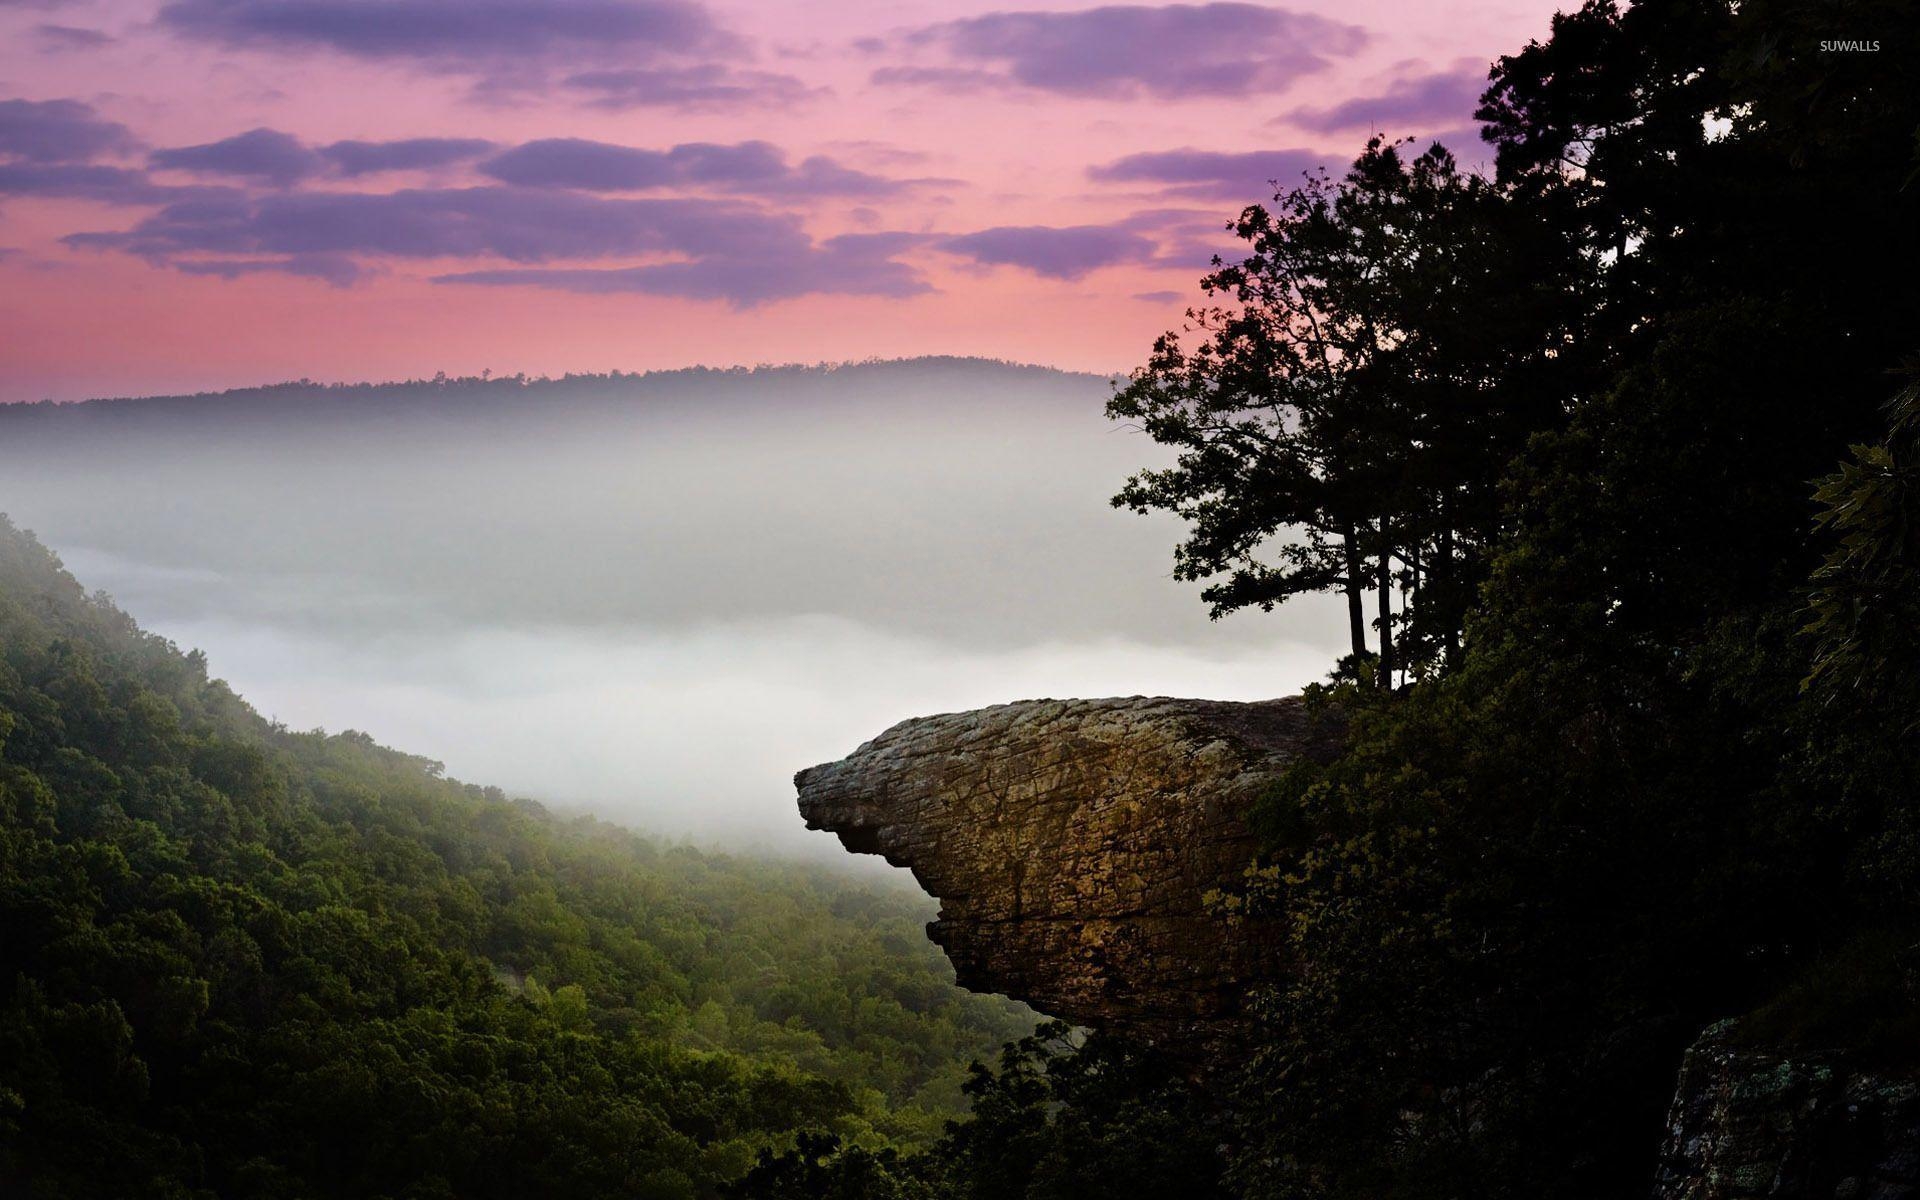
x: 1034, y: 183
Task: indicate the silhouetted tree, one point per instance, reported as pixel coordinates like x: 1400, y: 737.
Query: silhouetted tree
x: 1343, y: 412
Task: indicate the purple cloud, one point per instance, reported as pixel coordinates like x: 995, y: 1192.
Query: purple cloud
x: 743, y: 164
x: 1209, y: 173
x: 961, y: 81
x: 850, y: 265
x: 94, y: 181
x: 1169, y: 51
x: 335, y: 269
x: 454, y: 33
x: 704, y: 86
x: 757, y: 168
x: 1056, y: 252
x: 1439, y: 99
x: 261, y: 155
x: 602, y: 166
x: 353, y: 159
x: 58, y: 131
x: 511, y: 223
x: 875, y: 151
x: 721, y: 250
x: 1162, y: 298
x: 1188, y: 239
x: 279, y: 159
x: 740, y: 254
x: 62, y: 38
x: 819, y: 175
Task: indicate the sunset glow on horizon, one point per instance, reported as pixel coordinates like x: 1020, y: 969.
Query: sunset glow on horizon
x: 202, y: 194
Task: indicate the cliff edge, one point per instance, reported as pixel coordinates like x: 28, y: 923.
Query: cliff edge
x: 1072, y: 843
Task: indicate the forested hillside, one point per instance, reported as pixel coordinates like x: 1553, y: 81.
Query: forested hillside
x: 238, y: 960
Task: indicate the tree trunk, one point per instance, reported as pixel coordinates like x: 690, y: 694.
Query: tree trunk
x: 1386, y: 609
x: 1356, y: 603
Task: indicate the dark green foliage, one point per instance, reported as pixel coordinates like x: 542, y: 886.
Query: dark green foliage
x: 1861, y: 709
x: 1064, y: 1118
x: 1669, y: 777
x: 1067, y: 1120
x: 240, y: 961
x: 821, y: 1167
x: 1866, y: 595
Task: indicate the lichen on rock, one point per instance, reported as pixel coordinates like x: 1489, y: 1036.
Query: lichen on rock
x: 1750, y: 1123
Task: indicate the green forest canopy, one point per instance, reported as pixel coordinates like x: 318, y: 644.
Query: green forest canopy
x: 243, y: 961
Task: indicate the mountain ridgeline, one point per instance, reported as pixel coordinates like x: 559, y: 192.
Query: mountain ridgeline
x: 667, y: 498
x: 242, y: 961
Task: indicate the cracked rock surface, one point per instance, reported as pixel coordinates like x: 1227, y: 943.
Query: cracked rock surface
x: 1753, y: 1124
x: 1072, y: 844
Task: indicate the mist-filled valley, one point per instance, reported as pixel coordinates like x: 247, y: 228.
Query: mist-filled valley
x: 654, y: 596
x: 250, y: 961
x: 1440, y: 722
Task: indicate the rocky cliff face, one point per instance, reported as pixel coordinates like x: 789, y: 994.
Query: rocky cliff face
x: 1750, y: 1123
x: 1072, y: 843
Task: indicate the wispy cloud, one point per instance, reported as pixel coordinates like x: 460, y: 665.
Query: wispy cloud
x: 55, y: 131
x: 259, y: 155
x: 1057, y: 252
x: 614, y: 54
x: 549, y: 201
x: 60, y: 39
x: 850, y: 265
x: 1245, y: 177
x: 453, y: 33
x: 1172, y: 51
x: 97, y: 182
x: 715, y: 249
x: 336, y: 269
x: 700, y: 86
x: 517, y: 224
x: 356, y: 158
x: 1423, y: 101
x: 755, y: 168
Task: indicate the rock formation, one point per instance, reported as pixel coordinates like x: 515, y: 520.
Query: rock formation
x: 1749, y: 1123
x: 1072, y: 845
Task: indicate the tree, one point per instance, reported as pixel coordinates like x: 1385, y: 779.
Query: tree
x: 1389, y: 341
x: 1865, y: 603
x: 1862, y: 690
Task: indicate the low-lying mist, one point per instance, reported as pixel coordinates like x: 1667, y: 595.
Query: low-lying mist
x: 654, y: 597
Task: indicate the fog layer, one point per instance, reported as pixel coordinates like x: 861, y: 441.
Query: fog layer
x: 653, y: 596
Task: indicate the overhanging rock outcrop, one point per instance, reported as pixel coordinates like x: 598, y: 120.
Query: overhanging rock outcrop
x: 1072, y: 843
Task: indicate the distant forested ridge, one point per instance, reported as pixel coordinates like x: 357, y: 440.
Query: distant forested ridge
x: 241, y: 961
x: 308, y: 403
x: 664, y: 498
